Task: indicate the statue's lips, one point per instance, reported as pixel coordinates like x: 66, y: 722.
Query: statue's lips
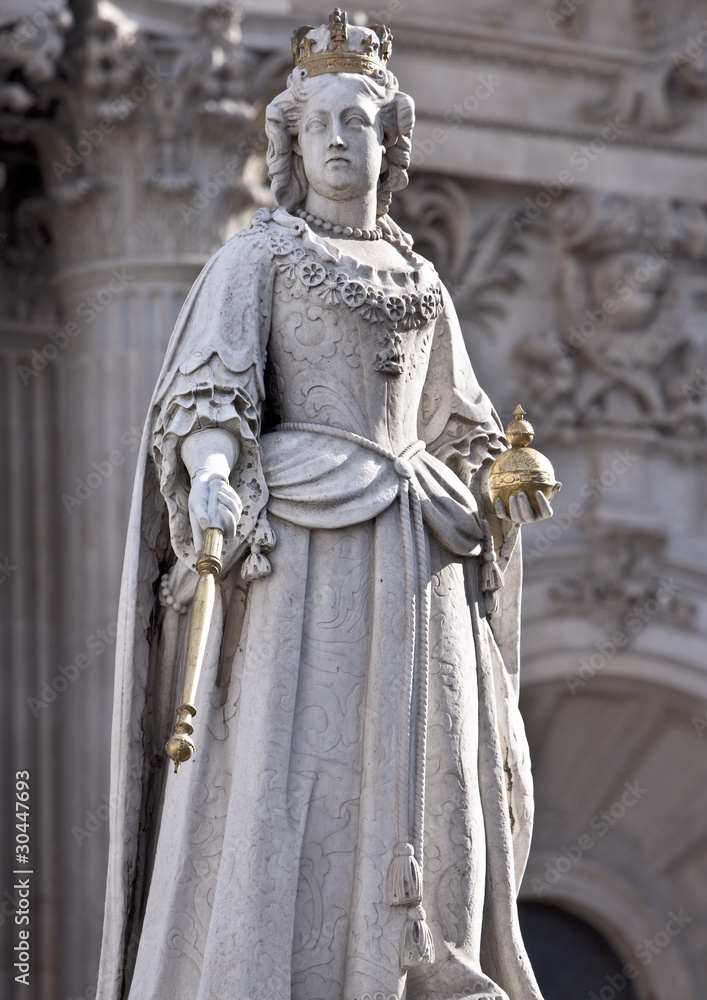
x: 338, y: 159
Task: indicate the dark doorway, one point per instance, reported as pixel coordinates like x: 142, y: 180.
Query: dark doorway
x: 572, y: 960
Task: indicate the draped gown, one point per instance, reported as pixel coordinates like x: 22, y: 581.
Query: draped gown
x: 355, y: 709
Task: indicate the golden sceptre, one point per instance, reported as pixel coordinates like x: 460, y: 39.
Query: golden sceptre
x: 180, y: 746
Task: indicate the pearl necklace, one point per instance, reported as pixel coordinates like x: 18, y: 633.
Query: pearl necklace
x: 360, y: 234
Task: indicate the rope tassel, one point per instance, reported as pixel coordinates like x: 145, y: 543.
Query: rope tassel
x: 404, y: 877
x: 491, y: 575
x: 491, y: 579
x: 255, y: 565
x: 418, y: 947
x: 405, y: 874
x: 261, y: 540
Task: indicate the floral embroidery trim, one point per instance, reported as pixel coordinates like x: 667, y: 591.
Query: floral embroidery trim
x: 377, y: 996
x: 396, y: 311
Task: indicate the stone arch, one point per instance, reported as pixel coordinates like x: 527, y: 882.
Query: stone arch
x: 620, y: 836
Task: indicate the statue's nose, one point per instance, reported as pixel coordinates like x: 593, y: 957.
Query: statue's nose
x: 337, y: 142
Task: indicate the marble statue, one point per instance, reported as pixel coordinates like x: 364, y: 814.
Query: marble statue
x: 355, y: 822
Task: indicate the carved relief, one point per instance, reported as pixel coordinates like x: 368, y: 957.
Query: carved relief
x: 154, y: 147
x: 208, y: 89
x: 626, y: 587
x: 621, y: 355
x: 656, y: 97
x: 477, y: 262
x: 640, y: 96
x: 31, y: 41
x: 32, y: 38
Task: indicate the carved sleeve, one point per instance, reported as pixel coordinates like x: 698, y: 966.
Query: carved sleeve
x: 460, y: 426
x: 213, y: 377
x: 457, y: 421
x: 209, y: 396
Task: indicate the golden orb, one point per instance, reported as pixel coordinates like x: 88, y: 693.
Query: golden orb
x: 521, y: 469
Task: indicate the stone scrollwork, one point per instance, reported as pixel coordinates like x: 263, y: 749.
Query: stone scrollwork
x: 207, y: 83
x: 625, y: 588
x: 640, y: 96
x: 32, y: 37
x: 622, y: 355
x: 654, y: 97
x: 163, y: 124
x: 652, y: 88
x: 32, y: 40
x: 477, y: 261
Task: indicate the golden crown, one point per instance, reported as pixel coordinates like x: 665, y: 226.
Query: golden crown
x: 332, y: 53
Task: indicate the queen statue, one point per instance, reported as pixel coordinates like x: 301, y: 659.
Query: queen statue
x: 355, y: 822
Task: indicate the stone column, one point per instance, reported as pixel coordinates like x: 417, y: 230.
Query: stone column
x: 31, y: 43
x: 144, y: 164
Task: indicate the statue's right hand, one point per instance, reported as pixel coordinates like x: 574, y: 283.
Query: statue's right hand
x: 213, y: 503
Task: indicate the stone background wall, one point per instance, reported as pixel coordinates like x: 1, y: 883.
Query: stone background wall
x: 559, y: 183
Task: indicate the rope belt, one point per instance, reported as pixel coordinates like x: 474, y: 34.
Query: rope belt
x: 405, y: 875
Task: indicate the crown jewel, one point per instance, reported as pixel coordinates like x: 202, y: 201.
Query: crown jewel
x: 340, y: 48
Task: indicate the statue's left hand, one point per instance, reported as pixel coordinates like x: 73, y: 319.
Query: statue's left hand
x: 520, y: 510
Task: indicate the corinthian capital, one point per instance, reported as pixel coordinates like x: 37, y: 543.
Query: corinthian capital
x: 148, y: 134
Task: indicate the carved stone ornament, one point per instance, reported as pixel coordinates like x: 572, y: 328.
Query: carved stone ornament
x: 151, y: 142
x: 477, y: 260
x: 625, y: 588
x: 620, y: 355
x: 32, y: 37
x: 661, y: 74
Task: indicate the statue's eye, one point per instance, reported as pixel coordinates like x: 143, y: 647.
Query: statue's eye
x: 356, y: 121
x: 315, y: 125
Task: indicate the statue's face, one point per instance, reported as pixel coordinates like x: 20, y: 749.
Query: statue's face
x: 341, y: 138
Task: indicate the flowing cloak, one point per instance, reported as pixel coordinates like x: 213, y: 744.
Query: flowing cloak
x: 217, y: 888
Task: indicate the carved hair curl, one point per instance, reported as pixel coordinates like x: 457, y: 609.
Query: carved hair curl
x: 283, y: 117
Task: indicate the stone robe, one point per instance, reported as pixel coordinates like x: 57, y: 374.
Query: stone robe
x: 356, y: 696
